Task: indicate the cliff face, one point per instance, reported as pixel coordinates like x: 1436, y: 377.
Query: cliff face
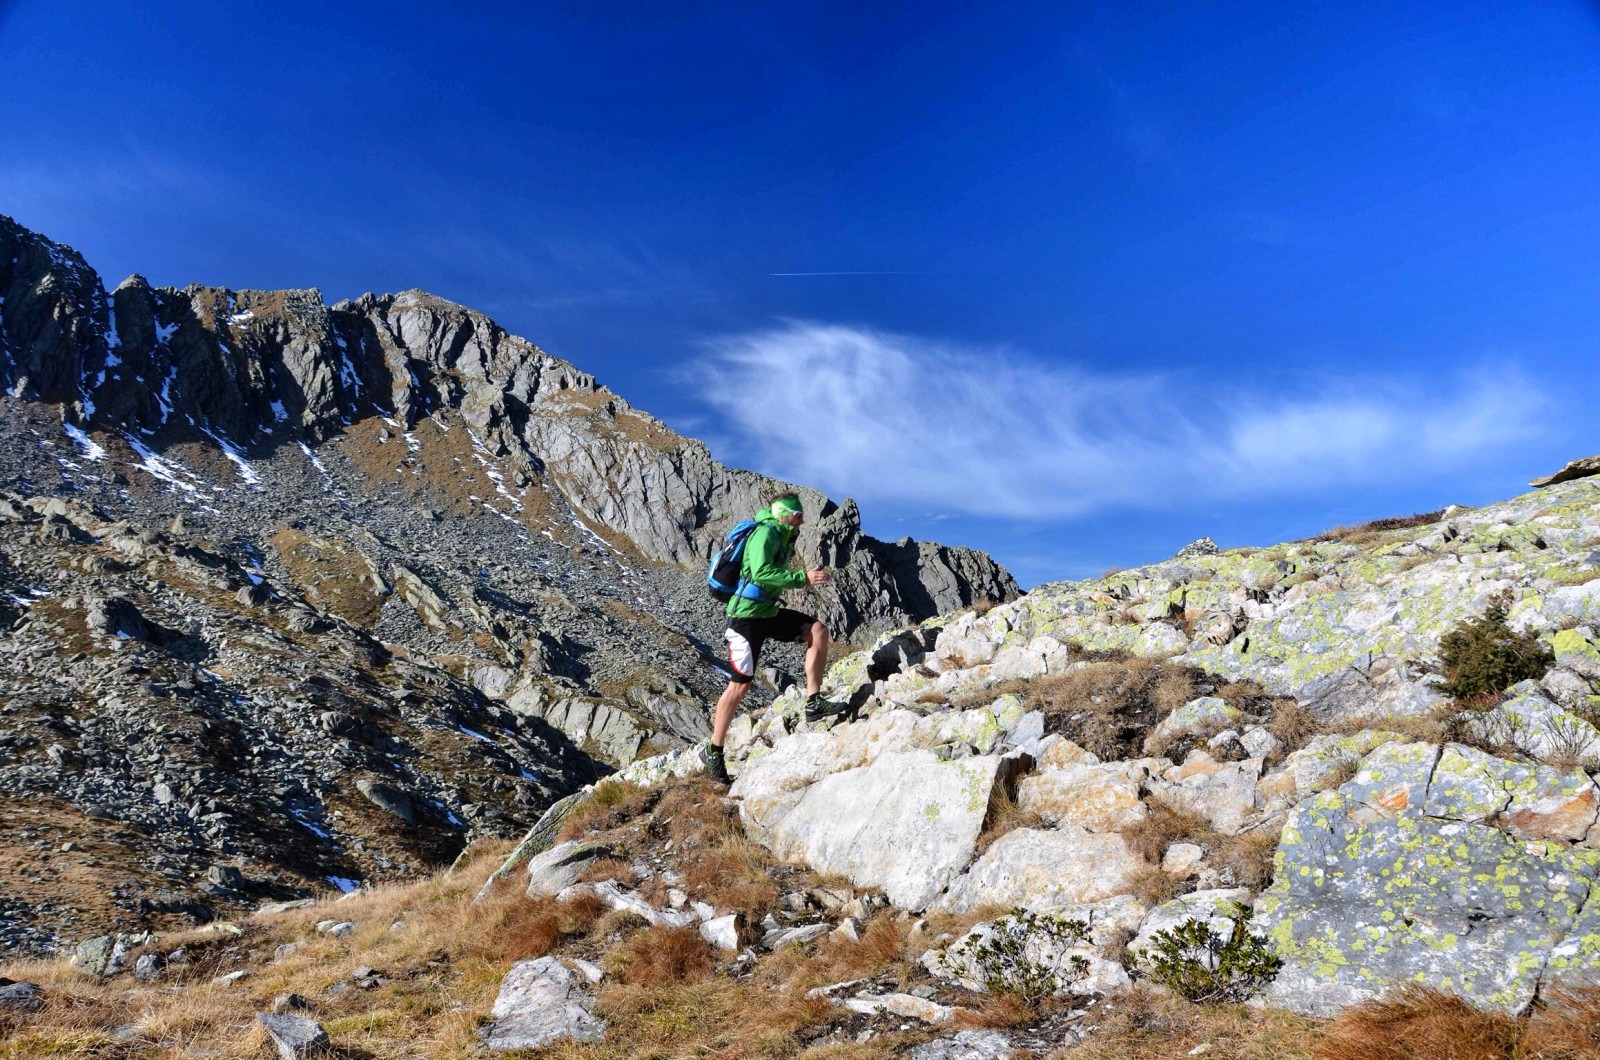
x: 320, y: 592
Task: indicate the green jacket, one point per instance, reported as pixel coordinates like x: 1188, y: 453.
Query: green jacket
x: 766, y: 562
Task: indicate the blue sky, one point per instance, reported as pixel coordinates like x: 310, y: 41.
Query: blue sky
x: 1076, y: 283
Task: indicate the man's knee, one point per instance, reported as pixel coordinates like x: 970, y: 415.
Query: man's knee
x: 817, y: 635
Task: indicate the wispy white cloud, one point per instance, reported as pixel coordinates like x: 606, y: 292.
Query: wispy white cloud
x: 996, y: 432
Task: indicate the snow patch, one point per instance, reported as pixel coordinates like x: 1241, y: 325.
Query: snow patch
x: 474, y: 735
x: 278, y: 412
x: 246, y: 472
x: 240, y: 318
x: 343, y: 883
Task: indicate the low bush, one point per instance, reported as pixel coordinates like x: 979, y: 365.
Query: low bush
x: 1199, y: 964
x: 1484, y: 656
x: 1025, y: 956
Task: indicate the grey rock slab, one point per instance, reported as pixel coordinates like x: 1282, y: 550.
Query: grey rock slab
x: 559, y: 867
x: 540, y: 1003
x: 968, y: 1045
x: 907, y: 1005
x: 794, y: 936
x: 388, y: 798
x: 1226, y: 797
x: 722, y: 932
x: 1202, y: 716
x: 295, y: 1036
x: 906, y: 824
x: 1046, y: 870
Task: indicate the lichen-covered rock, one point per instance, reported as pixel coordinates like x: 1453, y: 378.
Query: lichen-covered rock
x: 1535, y: 802
x: 1202, y: 716
x: 1362, y: 903
x: 1539, y: 728
x: 541, y: 1003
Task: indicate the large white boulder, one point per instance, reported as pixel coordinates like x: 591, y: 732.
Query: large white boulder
x: 907, y: 823
x: 1044, y: 870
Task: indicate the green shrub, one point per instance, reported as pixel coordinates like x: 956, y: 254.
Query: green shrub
x: 1483, y: 656
x: 1025, y: 956
x: 1201, y: 965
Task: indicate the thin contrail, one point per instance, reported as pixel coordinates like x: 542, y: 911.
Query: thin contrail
x: 842, y: 274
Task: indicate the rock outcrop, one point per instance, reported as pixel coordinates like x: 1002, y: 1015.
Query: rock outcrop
x: 1317, y: 736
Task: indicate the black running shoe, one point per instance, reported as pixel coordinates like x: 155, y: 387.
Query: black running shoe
x: 716, y: 765
x: 819, y: 709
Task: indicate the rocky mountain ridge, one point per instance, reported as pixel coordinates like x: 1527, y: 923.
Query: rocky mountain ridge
x: 297, y: 593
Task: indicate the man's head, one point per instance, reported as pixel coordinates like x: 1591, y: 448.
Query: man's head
x: 787, y: 510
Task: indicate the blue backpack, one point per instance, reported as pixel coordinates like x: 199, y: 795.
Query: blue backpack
x: 724, y: 579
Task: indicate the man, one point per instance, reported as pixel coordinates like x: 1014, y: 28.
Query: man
x: 754, y: 618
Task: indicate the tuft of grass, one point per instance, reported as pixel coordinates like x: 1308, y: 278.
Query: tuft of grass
x: 660, y: 955
x: 1292, y: 724
x: 1368, y: 532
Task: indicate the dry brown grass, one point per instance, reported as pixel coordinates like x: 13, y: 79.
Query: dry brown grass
x: 445, y: 965
x: 1147, y: 1026
x: 1245, y: 859
x: 1153, y: 885
x: 1419, y: 1023
x: 1162, y: 827
x: 1005, y: 816
x: 512, y: 928
x: 1416, y: 1022
x: 660, y: 955
x: 1292, y: 724
x: 1368, y: 532
x: 1568, y: 1027
x: 1109, y: 705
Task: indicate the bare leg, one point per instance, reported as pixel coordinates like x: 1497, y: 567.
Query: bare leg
x: 726, y: 705
x: 816, y: 642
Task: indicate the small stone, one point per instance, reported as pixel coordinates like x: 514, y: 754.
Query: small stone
x: 147, y: 969
x: 95, y: 956
x: 286, y: 950
x: 1181, y: 858
x: 295, y: 1036
x: 722, y: 932
x: 232, y: 977
x: 290, y: 1002
x: 20, y: 997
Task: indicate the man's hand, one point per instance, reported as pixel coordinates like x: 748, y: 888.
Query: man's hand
x: 816, y: 576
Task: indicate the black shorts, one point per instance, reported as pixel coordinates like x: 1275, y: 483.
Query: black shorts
x: 745, y: 636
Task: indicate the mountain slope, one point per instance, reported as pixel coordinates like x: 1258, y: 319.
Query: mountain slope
x: 296, y: 592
